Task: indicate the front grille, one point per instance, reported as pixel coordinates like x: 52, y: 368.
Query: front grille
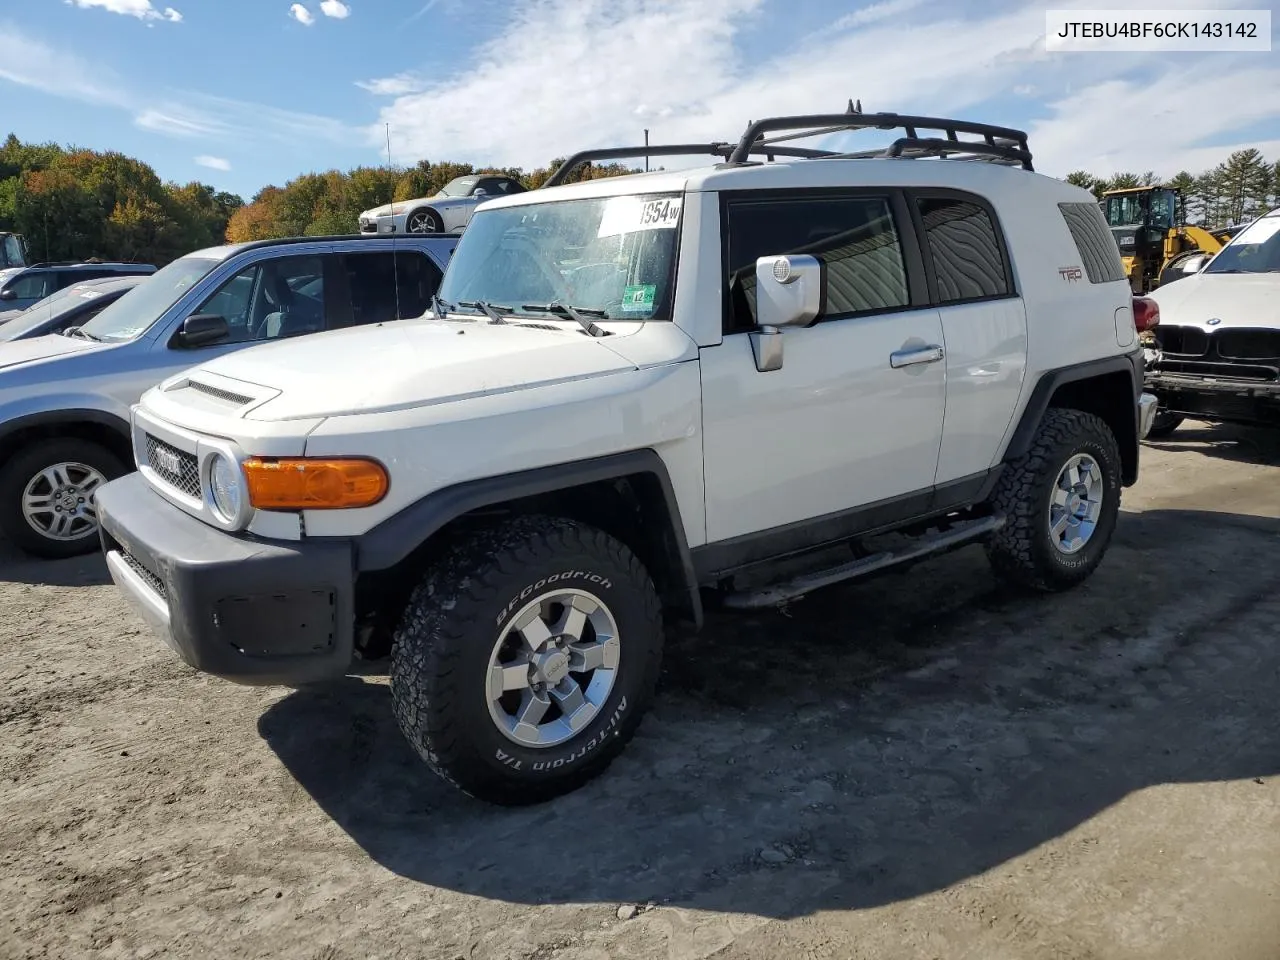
x: 151, y: 580
x: 1184, y: 341
x: 238, y: 399
x: 176, y: 467
x: 1248, y: 344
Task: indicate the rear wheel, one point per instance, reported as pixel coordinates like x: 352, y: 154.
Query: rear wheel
x: 1060, y: 500
x: 526, y: 659
x: 47, y: 496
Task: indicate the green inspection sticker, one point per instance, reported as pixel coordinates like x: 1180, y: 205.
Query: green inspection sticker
x: 638, y: 298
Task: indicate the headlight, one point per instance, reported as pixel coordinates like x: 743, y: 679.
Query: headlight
x: 225, y: 487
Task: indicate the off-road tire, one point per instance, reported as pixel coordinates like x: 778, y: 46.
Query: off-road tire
x: 18, y: 472
x: 1022, y: 551
x: 1164, y: 425
x: 441, y: 651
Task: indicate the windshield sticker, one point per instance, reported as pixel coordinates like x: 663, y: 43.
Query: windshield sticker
x: 638, y: 298
x: 1260, y: 231
x: 629, y: 214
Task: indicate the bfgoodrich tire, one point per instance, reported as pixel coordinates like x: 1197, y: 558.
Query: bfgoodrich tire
x: 526, y: 658
x: 1061, y: 500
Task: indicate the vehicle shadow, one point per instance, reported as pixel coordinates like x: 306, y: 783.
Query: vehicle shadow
x: 1237, y: 444
x: 882, y: 741
x: 17, y: 567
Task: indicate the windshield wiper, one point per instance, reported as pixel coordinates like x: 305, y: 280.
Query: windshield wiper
x: 440, y: 306
x: 578, y: 314
x: 490, y: 310
x: 79, y: 332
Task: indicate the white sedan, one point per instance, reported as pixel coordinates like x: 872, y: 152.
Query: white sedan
x: 1217, y: 350
x: 449, y: 211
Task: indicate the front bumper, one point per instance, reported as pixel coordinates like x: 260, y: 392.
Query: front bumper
x: 251, y: 611
x: 1218, y: 400
x: 386, y: 224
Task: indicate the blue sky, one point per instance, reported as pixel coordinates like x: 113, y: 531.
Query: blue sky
x: 242, y: 93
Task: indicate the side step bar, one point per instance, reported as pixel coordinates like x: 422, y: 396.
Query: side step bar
x: 959, y: 535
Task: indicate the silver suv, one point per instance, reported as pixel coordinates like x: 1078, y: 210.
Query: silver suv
x: 65, y: 399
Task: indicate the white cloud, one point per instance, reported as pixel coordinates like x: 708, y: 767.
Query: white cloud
x: 213, y: 163
x: 876, y: 12
x: 335, y: 8
x: 1093, y: 128
x: 603, y: 71
x: 177, y: 122
x: 175, y: 113
x: 396, y: 86
x: 142, y: 9
x: 302, y: 15
x: 30, y: 63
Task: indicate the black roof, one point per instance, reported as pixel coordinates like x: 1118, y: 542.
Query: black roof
x: 985, y: 141
x: 342, y: 237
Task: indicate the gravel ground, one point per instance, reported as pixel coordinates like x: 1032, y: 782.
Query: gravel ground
x: 923, y: 765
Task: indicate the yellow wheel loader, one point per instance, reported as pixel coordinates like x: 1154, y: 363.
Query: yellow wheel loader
x: 1150, y: 228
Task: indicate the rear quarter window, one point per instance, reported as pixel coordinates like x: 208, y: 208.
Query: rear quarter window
x: 1097, y: 249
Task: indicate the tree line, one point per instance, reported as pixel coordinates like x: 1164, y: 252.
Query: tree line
x: 73, y: 204
x: 1241, y: 187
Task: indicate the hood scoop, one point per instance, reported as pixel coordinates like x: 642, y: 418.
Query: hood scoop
x: 213, y: 393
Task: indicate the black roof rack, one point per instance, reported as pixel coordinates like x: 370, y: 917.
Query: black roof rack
x: 720, y: 149
x: 998, y: 144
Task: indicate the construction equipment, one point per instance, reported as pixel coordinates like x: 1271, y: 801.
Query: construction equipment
x: 1150, y: 228
x: 13, y: 250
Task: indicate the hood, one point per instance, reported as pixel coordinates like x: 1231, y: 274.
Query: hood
x: 407, y: 363
x: 1235, y: 299
x: 404, y: 206
x: 36, y: 349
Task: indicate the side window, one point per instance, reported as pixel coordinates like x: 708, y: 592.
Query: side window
x: 854, y: 237
x: 968, y: 258
x: 419, y: 280
x: 32, y: 286
x: 1094, y: 242
x: 376, y: 281
x: 277, y: 298
x: 373, y: 287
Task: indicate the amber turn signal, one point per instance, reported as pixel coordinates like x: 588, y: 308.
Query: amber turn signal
x: 303, y: 483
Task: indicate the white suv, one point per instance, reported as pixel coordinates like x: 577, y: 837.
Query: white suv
x: 633, y: 393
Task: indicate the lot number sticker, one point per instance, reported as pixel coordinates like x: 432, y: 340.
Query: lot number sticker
x: 630, y: 214
x: 638, y: 298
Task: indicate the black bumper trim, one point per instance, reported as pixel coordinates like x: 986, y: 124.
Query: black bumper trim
x: 251, y: 611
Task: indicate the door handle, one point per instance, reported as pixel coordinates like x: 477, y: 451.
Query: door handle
x: 907, y: 358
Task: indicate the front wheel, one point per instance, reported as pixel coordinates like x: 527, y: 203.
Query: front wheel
x: 526, y: 658
x: 47, y: 496
x: 1164, y: 425
x: 423, y: 221
x: 1060, y: 501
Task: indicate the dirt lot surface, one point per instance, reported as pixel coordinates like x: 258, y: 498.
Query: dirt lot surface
x: 920, y: 766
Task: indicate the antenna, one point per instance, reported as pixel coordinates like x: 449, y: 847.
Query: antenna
x: 395, y: 258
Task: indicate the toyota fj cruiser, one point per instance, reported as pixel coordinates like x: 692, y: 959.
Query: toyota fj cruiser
x: 631, y: 395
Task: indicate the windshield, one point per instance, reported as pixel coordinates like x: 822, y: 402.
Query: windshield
x: 1255, y: 249
x: 1124, y: 210
x: 458, y: 187
x: 614, y: 255
x: 11, y: 251
x: 137, y: 310
x: 51, y: 307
